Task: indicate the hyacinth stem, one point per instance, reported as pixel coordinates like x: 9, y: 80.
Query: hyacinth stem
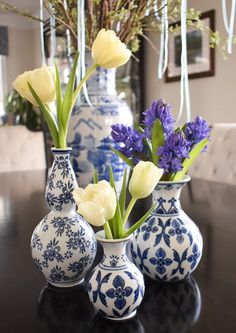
x: 108, y: 231
x: 129, y: 209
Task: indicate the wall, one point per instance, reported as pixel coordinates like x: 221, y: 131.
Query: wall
x: 24, y: 46
x: 212, y: 97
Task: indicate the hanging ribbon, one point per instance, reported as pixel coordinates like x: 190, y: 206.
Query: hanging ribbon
x: 81, y: 48
x: 184, y: 84
x: 229, y: 26
x: 163, y: 57
x: 156, y: 9
x: 42, y: 33
x: 53, y: 38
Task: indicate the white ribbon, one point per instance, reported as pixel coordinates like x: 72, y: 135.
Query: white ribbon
x: 81, y: 48
x: 229, y: 26
x: 155, y: 8
x: 42, y: 33
x: 184, y: 84
x: 163, y: 57
x: 53, y: 38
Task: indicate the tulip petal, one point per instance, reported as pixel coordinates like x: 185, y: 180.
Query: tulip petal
x: 93, y: 213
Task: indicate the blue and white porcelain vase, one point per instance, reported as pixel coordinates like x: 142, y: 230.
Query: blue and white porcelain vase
x: 168, y: 246
x: 116, y: 286
x: 90, y: 128
x: 63, y: 244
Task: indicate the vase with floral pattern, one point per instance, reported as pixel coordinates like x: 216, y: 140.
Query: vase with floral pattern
x: 63, y: 244
x: 90, y: 128
x: 168, y: 246
x: 116, y: 286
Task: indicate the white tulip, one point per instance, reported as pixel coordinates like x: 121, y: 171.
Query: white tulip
x: 96, y: 203
x: 144, y: 179
x: 108, y: 51
x: 42, y: 81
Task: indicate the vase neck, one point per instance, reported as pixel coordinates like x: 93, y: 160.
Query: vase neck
x: 61, y: 182
x: 102, y: 81
x: 114, y: 255
x: 166, y: 196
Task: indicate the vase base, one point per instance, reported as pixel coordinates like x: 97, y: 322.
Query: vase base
x: 66, y: 285
x: 130, y: 316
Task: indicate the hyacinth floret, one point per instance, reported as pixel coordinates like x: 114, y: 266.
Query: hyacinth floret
x: 172, y: 153
x: 197, y: 130
x: 162, y: 111
x: 130, y: 140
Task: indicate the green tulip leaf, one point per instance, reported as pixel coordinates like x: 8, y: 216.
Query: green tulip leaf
x: 139, y: 222
x: 116, y: 223
x: 158, y: 140
x: 52, y: 125
x: 95, y: 177
x: 194, y: 153
x: 68, y: 97
x: 122, y: 198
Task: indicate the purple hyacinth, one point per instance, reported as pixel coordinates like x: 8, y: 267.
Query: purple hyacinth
x: 162, y: 111
x: 130, y: 140
x: 197, y: 130
x: 172, y: 153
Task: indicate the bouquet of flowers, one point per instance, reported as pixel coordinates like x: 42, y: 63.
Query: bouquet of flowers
x: 98, y: 203
x: 156, y: 140
x: 42, y: 85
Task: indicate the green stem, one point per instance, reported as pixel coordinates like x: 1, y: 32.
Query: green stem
x: 84, y: 79
x: 128, y: 210
x: 108, y: 231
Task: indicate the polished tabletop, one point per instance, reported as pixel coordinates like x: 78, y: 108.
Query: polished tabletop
x: 205, y: 303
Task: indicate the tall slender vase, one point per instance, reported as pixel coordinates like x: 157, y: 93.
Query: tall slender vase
x: 116, y: 287
x: 63, y: 244
x: 168, y: 246
x: 90, y: 128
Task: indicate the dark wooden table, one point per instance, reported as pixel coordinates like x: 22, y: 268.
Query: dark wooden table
x: 204, y: 304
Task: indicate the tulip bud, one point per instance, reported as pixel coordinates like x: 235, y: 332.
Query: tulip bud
x: 96, y: 203
x: 42, y: 81
x: 108, y: 51
x: 144, y: 179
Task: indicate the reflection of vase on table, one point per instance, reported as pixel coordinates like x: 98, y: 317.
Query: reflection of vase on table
x: 90, y: 128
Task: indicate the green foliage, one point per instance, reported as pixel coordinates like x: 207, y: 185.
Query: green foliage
x: 158, y: 140
x: 23, y: 111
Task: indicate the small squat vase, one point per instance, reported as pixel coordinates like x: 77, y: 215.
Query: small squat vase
x: 168, y: 246
x: 116, y: 286
x: 63, y: 244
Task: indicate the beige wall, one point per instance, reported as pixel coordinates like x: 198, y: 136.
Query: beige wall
x: 24, y: 47
x: 212, y: 97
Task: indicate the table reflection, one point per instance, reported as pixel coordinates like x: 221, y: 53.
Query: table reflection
x: 172, y: 307
x: 65, y: 310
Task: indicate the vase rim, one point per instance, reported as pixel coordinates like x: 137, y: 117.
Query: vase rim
x: 186, y: 179
x: 61, y: 150
x: 101, y: 234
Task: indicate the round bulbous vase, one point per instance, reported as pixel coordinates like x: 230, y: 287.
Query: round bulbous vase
x: 90, y: 128
x: 168, y: 246
x: 63, y: 244
x: 116, y: 286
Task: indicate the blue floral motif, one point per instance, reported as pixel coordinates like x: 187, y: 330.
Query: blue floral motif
x: 57, y: 274
x: 36, y: 242
x: 178, y: 230
x: 141, y: 256
x: 38, y: 263
x: 51, y: 199
x: 59, y: 184
x: 68, y: 254
x: 113, y: 260
x: 78, y: 266
x: 160, y: 261
x: 52, y: 251
x: 66, y: 196
x: 139, y: 290
x: 163, y: 233
x: 193, y: 258
x: 78, y: 240
x: 120, y: 292
x: 45, y: 227
x: 62, y: 163
x: 62, y: 224
x: 160, y: 208
x: 179, y: 260
x: 50, y: 181
x: 173, y: 209
x: 148, y: 228
x: 97, y: 293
